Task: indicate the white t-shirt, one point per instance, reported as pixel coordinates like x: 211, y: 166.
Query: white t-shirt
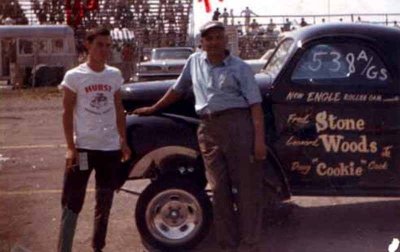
x: 95, y: 120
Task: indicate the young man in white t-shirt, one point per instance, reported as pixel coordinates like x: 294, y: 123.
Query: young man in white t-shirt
x: 94, y: 128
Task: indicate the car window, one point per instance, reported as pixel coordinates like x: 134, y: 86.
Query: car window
x: 42, y: 46
x: 57, y: 46
x: 279, y: 58
x: 347, y: 63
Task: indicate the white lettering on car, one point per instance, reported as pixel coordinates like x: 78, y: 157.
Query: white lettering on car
x: 301, y: 168
x: 293, y: 141
x: 294, y: 96
x: 294, y: 118
x: 326, y: 121
x: 337, y: 143
x: 374, y: 165
x: 341, y: 170
x: 323, y: 97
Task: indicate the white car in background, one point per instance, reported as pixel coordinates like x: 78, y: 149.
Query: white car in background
x: 165, y: 63
x: 257, y: 64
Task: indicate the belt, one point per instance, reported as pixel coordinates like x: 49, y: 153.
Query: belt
x: 216, y: 114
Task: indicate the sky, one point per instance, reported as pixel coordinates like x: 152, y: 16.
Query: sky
x: 295, y: 7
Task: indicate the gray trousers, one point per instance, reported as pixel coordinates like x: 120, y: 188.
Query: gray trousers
x: 227, y: 143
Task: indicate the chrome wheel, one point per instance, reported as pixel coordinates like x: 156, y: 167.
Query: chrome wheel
x: 174, y: 216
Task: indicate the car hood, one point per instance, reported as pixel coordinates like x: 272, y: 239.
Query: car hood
x: 256, y: 64
x: 146, y: 93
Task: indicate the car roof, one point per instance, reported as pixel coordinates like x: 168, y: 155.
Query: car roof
x: 386, y: 39
x: 38, y: 31
x: 173, y: 48
x: 376, y: 32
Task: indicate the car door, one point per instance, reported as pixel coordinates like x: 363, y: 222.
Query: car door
x: 336, y: 110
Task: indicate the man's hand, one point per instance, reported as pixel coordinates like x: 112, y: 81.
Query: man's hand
x: 126, y: 152
x: 260, y: 150
x: 144, y: 111
x: 169, y: 98
x: 71, y: 157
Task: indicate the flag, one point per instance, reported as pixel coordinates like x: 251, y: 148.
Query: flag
x: 74, y: 11
x: 207, y: 5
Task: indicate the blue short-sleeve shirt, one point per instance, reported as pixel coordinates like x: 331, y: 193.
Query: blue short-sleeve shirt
x: 228, y: 85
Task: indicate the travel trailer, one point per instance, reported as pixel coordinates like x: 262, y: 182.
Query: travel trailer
x: 36, y: 55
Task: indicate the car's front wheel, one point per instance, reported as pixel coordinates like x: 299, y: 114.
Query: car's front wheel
x: 173, y: 214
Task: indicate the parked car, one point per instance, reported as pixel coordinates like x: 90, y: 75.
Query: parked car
x: 165, y: 63
x: 331, y: 97
x: 258, y: 64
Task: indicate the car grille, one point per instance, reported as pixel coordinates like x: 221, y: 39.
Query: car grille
x: 175, y: 68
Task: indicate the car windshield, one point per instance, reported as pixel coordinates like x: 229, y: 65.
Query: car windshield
x: 170, y: 54
x: 279, y: 58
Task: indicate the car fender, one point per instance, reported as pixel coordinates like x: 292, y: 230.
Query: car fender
x: 163, y: 158
x: 148, y: 133
x: 159, y: 140
x: 186, y: 161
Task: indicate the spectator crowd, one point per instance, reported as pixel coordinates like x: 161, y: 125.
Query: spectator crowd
x: 11, y: 13
x: 154, y: 23
x: 255, y: 38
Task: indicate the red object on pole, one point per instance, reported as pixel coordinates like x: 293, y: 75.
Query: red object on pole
x: 208, y: 5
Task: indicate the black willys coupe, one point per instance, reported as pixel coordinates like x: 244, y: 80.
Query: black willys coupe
x: 331, y: 97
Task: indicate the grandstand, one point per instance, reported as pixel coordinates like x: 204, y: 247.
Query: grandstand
x: 154, y: 23
x: 158, y: 23
x: 12, y: 13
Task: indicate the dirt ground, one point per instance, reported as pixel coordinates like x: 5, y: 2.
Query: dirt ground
x: 31, y: 171
x: 31, y: 168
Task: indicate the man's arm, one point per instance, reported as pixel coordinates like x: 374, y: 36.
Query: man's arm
x: 173, y: 94
x: 251, y: 93
x: 170, y: 97
x: 260, y: 149
x: 69, y: 102
x: 121, y: 124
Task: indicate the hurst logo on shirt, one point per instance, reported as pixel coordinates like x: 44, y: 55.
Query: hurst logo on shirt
x: 97, y: 88
x: 99, y: 98
x: 99, y: 101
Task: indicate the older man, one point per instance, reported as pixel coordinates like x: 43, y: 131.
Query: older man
x: 230, y: 135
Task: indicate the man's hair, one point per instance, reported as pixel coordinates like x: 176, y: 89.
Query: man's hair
x: 99, y: 31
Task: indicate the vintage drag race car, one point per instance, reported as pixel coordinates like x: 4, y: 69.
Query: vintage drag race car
x: 331, y: 97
